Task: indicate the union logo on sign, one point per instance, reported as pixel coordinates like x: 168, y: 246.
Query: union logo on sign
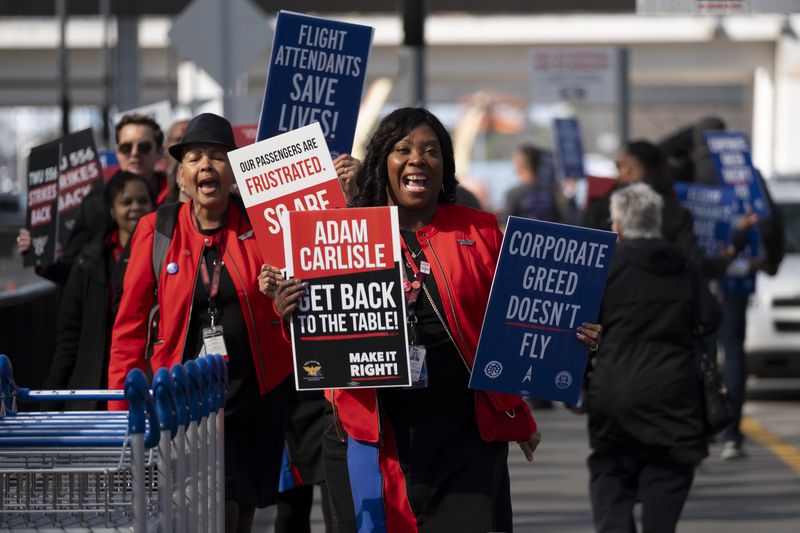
x: 493, y: 369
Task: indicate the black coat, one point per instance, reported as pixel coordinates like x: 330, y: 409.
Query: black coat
x: 85, y: 320
x: 644, y: 388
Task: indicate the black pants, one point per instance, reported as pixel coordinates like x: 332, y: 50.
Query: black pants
x: 619, y: 480
x: 337, y: 477
x: 294, y: 509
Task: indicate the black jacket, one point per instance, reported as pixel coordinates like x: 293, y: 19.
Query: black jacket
x: 644, y: 388
x: 85, y: 318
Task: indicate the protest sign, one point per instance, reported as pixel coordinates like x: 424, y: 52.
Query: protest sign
x: 79, y: 172
x: 598, y: 187
x: 730, y: 153
x: 316, y: 74
x: 109, y: 163
x: 289, y: 172
x: 349, y: 330
x: 549, y: 280
x: 244, y: 134
x: 568, y: 149
x: 42, y: 215
x: 715, y: 210
x: 160, y: 111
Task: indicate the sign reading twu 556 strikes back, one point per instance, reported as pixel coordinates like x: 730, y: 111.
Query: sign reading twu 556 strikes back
x: 549, y: 280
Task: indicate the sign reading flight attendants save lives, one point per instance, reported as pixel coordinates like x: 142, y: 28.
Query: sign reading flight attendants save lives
x: 290, y: 172
x: 316, y: 74
x: 549, y: 280
x: 349, y: 330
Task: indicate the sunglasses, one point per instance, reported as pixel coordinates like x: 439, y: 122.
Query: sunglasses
x: 143, y: 147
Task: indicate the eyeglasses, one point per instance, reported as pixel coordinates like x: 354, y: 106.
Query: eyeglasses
x: 143, y: 147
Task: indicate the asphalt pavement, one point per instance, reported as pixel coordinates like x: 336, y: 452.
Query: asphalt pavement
x: 758, y: 493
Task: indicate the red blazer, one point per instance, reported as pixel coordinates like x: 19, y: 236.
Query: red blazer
x: 462, y: 245
x: 272, y: 357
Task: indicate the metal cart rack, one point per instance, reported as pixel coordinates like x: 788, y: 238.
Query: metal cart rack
x: 157, y: 467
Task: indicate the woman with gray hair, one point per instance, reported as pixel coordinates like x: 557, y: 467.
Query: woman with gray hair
x: 643, y: 396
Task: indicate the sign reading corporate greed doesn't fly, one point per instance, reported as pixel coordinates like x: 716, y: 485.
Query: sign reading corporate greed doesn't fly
x: 549, y: 280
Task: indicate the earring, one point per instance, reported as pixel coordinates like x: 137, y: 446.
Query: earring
x: 183, y: 189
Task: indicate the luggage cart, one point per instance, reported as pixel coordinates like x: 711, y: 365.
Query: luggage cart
x: 115, y: 470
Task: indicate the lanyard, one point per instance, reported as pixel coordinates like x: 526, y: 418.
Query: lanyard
x: 412, y: 290
x: 211, y: 284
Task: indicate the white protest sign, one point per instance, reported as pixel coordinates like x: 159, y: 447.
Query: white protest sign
x: 289, y: 172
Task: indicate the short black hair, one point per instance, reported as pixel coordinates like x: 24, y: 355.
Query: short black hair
x: 531, y: 154
x: 373, y: 177
x: 117, y: 184
x: 647, y: 155
x: 142, y: 120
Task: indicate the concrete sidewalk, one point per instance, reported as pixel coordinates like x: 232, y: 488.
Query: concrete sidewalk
x: 759, y: 493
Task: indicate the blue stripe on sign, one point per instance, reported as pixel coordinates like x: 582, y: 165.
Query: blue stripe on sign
x: 286, y: 480
x: 366, y: 484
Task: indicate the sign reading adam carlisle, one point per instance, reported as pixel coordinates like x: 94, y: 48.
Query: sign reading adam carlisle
x: 349, y: 330
x: 290, y: 172
x: 316, y: 74
x: 549, y: 280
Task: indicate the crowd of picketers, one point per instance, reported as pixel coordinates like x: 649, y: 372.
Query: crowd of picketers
x: 402, y: 460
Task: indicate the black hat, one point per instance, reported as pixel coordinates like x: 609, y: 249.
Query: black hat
x: 206, y: 128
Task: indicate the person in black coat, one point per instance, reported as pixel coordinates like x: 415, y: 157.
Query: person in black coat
x: 644, y: 396
x: 86, y: 314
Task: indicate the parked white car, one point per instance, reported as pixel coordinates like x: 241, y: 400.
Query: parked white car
x: 772, y: 343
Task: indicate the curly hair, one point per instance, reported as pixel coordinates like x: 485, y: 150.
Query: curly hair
x: 373, y: 178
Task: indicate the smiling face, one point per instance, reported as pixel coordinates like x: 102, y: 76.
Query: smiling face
x: 129, y: 205
x: 416, y: 170
x: 137, y: 151
x: 206, y: 174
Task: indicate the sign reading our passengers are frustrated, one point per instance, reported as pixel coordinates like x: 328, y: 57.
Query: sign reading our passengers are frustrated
x: 349, y: 330
x: 549, y: 280
x: 289, y: 172
x: 316, y: 74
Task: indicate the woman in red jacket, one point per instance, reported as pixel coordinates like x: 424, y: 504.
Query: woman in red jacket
x: 209, y: 302
x: 403, y: 460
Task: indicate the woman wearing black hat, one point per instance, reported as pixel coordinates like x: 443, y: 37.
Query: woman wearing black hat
x: 209, y: 302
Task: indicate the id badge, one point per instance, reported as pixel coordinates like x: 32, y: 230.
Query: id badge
x: 419, y: 369
x: 214, y: 342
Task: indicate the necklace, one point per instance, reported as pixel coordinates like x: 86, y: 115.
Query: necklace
x: 413, y: 253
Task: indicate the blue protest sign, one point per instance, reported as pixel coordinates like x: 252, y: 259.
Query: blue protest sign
x: 569, y: 149
x: 730, y: 153
x: 714, y: 209
x: 316, y: 74
x: 549, y: 279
